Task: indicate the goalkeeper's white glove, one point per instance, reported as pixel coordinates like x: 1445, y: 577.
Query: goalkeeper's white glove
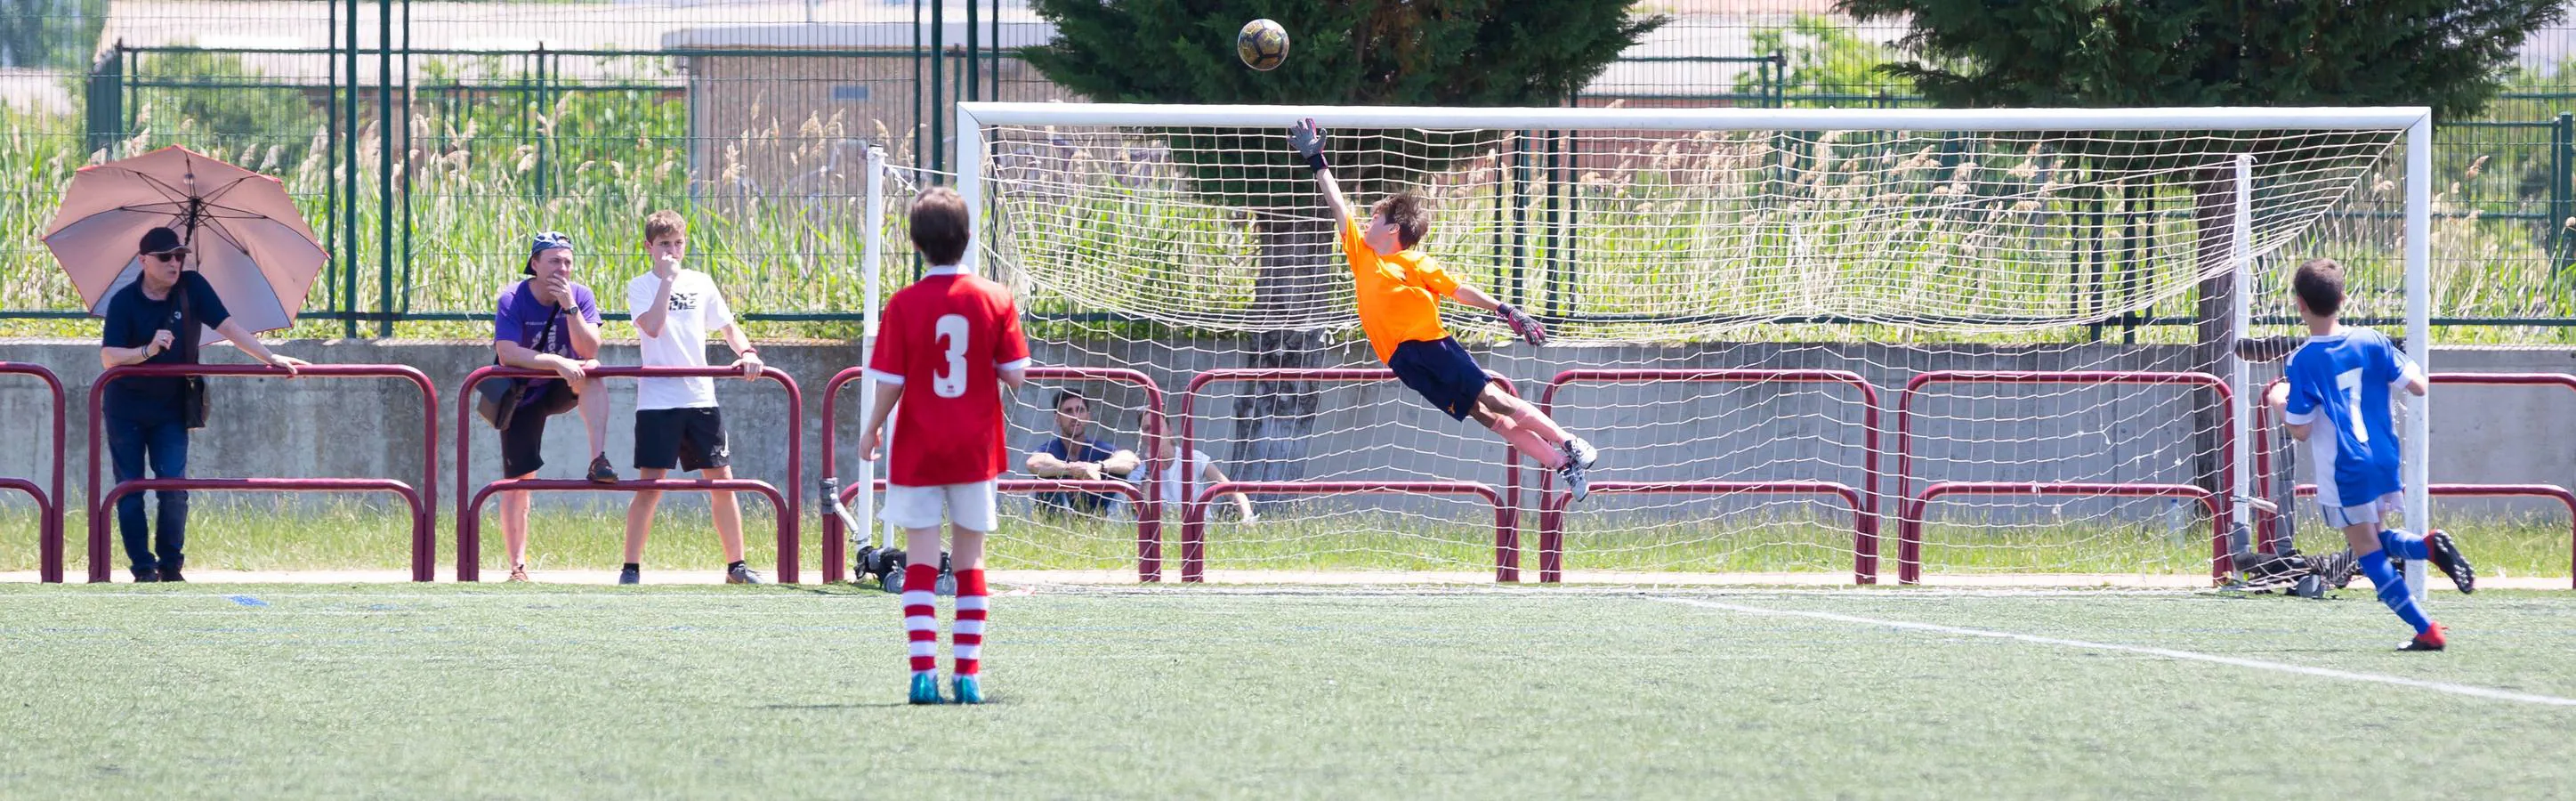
x: 1523, y: 324
x: 1308, y: 139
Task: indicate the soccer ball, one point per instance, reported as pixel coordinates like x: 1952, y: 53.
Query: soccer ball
x: 1262, y: 45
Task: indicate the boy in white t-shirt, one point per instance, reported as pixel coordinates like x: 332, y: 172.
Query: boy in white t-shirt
x: 1202, y: 472
x: 676, y: 422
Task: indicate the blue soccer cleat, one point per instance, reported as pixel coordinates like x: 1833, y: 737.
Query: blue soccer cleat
x: 925, y: 689
x: 966, y: 689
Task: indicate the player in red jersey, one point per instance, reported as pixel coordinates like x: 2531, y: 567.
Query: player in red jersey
x: 947, y: 344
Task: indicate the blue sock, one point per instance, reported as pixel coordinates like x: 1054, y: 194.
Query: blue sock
x: 2405, y: 545
x: 2392, y: 590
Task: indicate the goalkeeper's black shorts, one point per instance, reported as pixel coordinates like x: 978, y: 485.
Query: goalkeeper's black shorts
x: 1442, y: 372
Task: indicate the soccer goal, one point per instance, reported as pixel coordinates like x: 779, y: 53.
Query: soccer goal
x: 1809, y: 343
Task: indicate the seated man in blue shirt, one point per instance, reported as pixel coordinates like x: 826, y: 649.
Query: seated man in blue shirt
x: 1073, y: 454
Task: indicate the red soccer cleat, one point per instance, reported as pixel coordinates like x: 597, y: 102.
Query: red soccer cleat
x: 2430, y: 640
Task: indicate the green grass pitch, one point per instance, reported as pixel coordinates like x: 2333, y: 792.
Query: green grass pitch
x: 514, y: 691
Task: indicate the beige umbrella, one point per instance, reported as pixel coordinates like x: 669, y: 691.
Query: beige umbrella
x: 246, y: 236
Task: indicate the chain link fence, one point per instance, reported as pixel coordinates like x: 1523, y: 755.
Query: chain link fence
x: 427, y: 141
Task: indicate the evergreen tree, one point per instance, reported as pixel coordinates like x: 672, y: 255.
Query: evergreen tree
x: 2450, y: 55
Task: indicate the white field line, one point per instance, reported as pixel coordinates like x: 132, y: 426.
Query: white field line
x: 2168, y: 653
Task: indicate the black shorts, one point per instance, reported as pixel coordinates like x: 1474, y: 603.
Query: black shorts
x: 523, y: 444
x: 1442, y: 371
x: 690, y: 439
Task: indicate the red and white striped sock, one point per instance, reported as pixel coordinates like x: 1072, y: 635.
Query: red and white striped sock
x: 921, y: 616
x: 966, y: 637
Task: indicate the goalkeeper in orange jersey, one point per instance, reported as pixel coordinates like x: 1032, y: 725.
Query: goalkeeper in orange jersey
x: 1399, y: 290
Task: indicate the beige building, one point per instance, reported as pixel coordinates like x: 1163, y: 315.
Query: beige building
x: 791, y: 109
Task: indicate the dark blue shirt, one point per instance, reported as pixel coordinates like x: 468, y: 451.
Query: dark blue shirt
x: 132, y: 319
x: 1095, y: 451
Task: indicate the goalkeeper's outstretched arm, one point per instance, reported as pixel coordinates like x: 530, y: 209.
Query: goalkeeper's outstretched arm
x: 1308, y: 139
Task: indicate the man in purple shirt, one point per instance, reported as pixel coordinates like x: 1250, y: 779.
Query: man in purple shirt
x: 547, y: 322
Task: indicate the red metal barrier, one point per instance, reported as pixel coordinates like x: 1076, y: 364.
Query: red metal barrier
x: 1904, y: 438
x: 1149, y: 518
x: 1864, y: 546
x: 423, y: 498
x: 469, y: 542
x: 1551, y: 516
x: 49, y: 503
x: 2551, y: 491
x: 1507, y: 541
x: 1909, y: 538
x: 2268, y: 523
x: 1194, y: 515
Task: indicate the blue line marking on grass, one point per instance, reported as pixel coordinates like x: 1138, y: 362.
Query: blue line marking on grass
x: 245, y: 600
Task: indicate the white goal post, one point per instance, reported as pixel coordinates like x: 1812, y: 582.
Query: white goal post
x: 2403, y: 128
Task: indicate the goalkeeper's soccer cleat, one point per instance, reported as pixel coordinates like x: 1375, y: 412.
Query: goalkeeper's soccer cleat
x: 1575, y: 483
x: 2430, y: 640
x: 1581, y: 452
x: 966, y: 689
x: 925, y: 689
x: 2445, y: 556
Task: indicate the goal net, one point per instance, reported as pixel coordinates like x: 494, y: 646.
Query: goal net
x: 1811, y: 345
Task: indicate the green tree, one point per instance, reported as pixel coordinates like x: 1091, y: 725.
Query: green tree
x: 2450, y: 55
x: 52, y: 34
x: 1823, y: 57
x: 1344, y: 52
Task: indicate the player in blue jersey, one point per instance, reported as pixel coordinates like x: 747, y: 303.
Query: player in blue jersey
x: 2335, y: 400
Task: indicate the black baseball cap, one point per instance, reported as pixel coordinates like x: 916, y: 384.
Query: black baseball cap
x: 162, y: 240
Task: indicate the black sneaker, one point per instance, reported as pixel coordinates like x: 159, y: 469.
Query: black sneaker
x: 146, y: 576
x: 630, y: 575
x: 600, y: 471
x: 171, y: 575
x: 2445, y: 556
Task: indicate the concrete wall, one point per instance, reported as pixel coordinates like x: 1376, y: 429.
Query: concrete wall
x: 351, y: 427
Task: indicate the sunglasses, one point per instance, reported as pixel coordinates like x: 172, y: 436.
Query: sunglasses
x: 169, y: 256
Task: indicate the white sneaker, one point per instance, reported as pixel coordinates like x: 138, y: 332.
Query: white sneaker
x: 1580, y: 452
x: 1575, y: 483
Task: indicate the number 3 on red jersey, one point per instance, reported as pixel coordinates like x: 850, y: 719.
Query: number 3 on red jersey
x: 954, y: 337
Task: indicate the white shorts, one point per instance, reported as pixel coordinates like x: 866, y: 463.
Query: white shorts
x: 2372, y: 512
x: 969, y: 506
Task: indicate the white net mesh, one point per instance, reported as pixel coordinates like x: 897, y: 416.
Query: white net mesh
x: 1867, y: 259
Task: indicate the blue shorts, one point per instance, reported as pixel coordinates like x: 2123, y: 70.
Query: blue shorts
x: 1442, y: 372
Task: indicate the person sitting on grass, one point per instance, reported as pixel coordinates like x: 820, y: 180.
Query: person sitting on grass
x: 676, y: 420
x: 1072, y: 453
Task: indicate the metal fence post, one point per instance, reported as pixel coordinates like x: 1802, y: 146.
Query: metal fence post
x: 106, y: 99
x: 2562, y: 196
x: 384, y: 168
x: 349, y: 162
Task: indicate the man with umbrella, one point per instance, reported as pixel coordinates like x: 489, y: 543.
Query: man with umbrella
x: 220, y: 248
x: 159, y: 319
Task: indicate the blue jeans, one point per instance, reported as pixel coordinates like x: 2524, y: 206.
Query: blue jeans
x: 163, y: 444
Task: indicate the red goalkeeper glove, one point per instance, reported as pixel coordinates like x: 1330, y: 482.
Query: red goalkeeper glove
x: 1523, y: 324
